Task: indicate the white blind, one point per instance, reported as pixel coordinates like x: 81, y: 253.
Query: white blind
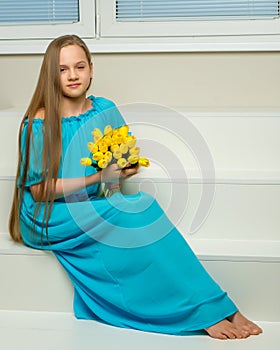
x: 38, y: 11
x: 162, y: 10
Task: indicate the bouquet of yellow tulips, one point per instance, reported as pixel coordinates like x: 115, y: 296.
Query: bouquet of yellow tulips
x: 113, y: 146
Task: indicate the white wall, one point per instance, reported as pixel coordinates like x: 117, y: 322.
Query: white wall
x: 245, y: 147
x: 215, y: 80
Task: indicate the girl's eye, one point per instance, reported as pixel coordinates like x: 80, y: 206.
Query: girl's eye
x: 62, y: 70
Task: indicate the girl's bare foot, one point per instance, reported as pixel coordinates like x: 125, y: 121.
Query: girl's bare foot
x: 227, y: 330
x: 242, y: 322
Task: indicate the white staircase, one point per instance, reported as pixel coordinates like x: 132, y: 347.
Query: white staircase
x: 239, y: 242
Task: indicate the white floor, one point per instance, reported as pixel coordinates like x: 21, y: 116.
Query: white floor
x: 61, y: 331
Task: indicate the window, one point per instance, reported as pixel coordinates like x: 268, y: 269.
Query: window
x: 38, y: 19
x: 160, y: 10
x: 125, y: 18
x: 26, y: 26
x: 15, y: 12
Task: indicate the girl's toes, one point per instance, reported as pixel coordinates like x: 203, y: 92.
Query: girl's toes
x: 256, y: 330
x: 245, y: 333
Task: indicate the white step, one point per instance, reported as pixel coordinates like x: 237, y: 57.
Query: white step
x: 253, y: 283
x: 33, y: 330
x: 32, y: 280
x: 243, y: 144
x: 238, y: 211
x: 238, y: 243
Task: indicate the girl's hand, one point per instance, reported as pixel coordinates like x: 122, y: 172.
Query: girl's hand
x: 129, y: 171
x: 114, y: 174
x: 111, y: 174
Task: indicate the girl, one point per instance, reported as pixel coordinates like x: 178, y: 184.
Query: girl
x: 129, y: 265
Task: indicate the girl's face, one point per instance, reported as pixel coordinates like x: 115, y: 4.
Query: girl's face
x: 75, y: 71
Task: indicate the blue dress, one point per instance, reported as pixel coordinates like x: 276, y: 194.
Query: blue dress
x: 130, y: 267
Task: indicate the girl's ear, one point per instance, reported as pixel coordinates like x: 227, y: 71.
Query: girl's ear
x: 91, y: 70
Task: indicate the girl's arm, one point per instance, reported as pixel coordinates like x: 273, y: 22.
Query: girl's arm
x: 68, y: 186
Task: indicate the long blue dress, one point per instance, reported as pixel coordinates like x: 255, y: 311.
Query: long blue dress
x: 130, y: 267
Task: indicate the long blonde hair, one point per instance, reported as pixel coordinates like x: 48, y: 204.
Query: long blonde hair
x: 47, y: 96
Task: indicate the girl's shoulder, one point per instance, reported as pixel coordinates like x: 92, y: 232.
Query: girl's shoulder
x: 40, y: 114
x: 38, y: 118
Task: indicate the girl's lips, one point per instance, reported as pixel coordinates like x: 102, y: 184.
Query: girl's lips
x: 73, y: 85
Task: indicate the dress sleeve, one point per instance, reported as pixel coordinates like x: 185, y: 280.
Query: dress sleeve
x: 34, y: 172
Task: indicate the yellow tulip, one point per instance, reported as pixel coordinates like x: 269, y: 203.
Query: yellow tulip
x: 117, y: 154
x: 124, y: 148
x: 107, y: 139
x: 124, y: 130
x: 92, y: 147
x: 108, y: 156
x: 144, y: 162
x: 102, y: 163
x: 86, y: 161
x: 134, y: 150
x: 108, y: 129
x: 130, y: 141
x: 97, y: 131
x: 114, y: 147
x: 118, y: 138
x: 133, y: 159
x: 97, y: 156
x: 97, y: 134
x: 122, y: 163
x: 102, y: 146
x: 96, y: 138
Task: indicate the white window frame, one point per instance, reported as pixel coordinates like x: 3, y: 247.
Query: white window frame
x: 84, y: 28
x: 102, y: 34
x: 110, y: 27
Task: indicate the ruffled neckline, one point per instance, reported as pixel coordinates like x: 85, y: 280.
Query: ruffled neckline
x: 81, y: 115
x: 73, y: 117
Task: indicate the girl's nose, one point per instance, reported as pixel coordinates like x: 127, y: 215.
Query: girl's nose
x: 72, y: 74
